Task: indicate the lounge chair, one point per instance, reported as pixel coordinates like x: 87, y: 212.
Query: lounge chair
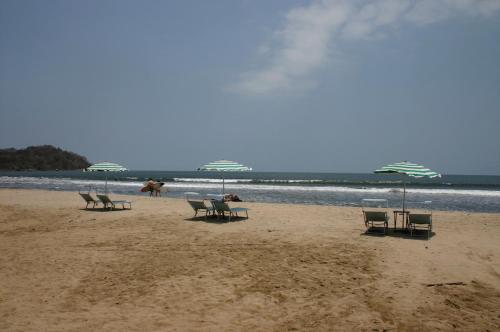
x: 420, y: 221
x: 89, y: 199
x: 222, y: 207
x: 375, y: 219
x: 108, y: 203
x: 200, y: 205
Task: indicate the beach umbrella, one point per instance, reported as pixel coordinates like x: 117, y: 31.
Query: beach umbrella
x: 105, y: 167
x: 409, y: 169
x: 224, y: 166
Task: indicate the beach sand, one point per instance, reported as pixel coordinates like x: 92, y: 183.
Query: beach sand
x: 288, y: 267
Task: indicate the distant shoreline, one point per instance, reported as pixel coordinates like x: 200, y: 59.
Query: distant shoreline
x: 141, y: 196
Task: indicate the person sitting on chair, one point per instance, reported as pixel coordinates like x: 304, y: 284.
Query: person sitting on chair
x: 232, y: 198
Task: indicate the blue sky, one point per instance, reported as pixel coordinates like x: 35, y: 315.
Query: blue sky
x: 336, y: 86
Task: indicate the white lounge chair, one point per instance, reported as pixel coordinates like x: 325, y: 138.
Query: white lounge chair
x: 375, y: 219
x: 222, y: 208
x: 89, y: 199
x: 420, y: 221
x: 108, y: 203
x: 375, y: 214
x: 200, y: 206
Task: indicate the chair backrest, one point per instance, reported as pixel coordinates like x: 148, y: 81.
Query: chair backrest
x: 197, y: 205
x: 190, y: 194
x: 221, y: 206
x: 374, y: 204
x: 420, y: 218
x: 87, y: 197
x: 104, y: 198
x: 375, y: 216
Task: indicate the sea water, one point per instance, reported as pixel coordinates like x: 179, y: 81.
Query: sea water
x: 472, y: 193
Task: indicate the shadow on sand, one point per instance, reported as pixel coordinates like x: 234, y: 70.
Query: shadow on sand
x: 419, y: 234
x: 103, y: 210
x: 214, y: 220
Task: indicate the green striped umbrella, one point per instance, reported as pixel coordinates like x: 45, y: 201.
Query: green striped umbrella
x: 106, y: 167
x: 409, y: 169
x: 224, y: 166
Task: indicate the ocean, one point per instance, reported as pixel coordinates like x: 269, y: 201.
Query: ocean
x: 473, y: 193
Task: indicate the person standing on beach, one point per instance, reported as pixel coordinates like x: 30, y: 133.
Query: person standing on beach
x: 151, y: 186
x: 159, y: 187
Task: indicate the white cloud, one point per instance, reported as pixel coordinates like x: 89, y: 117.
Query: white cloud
x: 372, y: 16
x: 309, y: 34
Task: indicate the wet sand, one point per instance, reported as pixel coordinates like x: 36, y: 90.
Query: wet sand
x: 288, y: 267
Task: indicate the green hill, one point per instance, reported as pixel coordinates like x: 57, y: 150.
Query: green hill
x: 41, y: 158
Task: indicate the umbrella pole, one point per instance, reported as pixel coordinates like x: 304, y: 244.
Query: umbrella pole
x: 404, y: 197
x: 106, y: 185
x: 223, y: 184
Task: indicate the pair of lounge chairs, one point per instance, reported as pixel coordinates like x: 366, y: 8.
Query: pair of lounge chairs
x: 416, y: 221
x: 218, y: 208
x: 376, y: 217
x: 104, y: 200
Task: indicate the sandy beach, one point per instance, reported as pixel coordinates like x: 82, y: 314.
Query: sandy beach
x: 288, y: 267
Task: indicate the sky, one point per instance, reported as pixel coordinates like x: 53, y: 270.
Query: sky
x: 324, y: 86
